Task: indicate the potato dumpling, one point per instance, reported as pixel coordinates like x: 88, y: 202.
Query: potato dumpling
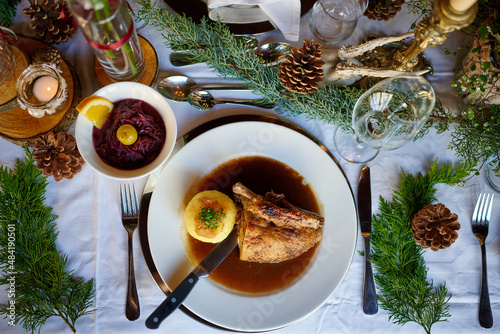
x: 210, y: 216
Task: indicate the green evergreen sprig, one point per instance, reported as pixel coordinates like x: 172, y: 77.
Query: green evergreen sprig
x: 212, y: 42
x: 37, y: 278
x: 7, y: 11
x: 401, y: 273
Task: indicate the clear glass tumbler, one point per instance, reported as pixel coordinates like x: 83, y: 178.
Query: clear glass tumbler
x: 333, y: 21
x: 109, y: 29
x: 7, y: 61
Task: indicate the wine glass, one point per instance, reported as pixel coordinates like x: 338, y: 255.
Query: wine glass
x: 386, y: 117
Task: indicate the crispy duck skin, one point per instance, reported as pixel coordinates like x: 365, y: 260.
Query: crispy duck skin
x: 262, y: 240
x: 276, y: 209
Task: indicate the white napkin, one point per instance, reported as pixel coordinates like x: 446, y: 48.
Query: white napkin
x: 283, y: 14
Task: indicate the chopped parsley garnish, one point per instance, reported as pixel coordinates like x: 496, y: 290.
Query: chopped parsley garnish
x: 211, y: 218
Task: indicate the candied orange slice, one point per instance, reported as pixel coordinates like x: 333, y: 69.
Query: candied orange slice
x: 96, y: 109
x: 126, y: 134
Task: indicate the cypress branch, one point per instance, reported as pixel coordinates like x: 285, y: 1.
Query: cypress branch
x: 43, y: 286
x: 401, y: 272
x: 7, y: 11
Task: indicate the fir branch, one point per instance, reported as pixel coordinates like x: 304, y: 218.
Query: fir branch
x: 44, y: 287
x: 7, y: 11
x: 401, y: 272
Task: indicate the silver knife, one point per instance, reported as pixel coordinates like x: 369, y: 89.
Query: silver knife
x: 370, y: 305
x: 203, y: 269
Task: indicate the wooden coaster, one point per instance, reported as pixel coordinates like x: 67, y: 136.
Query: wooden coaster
x: 8, y: 89
x: 150, y: 62
x: 17, y: 125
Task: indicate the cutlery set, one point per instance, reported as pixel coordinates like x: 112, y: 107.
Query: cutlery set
x: 180, y: 88
x: 130, y: 218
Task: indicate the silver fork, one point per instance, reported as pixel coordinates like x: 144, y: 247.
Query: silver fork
x: 480, y: 221
x: 130, y: 220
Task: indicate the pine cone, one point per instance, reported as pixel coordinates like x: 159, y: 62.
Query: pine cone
x: 48, y: 55
x: 57, y: 155
x: 435, y: 227
x: 302, y: 69
x: 383, y: 9
x: 46, y: 20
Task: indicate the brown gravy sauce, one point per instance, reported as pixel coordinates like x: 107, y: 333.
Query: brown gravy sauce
x: 259, y: 174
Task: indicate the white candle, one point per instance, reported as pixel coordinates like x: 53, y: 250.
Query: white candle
x: 45, y: 88
x: 462, y: 5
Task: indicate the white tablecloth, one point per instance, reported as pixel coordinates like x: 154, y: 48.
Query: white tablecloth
x: 91, y: 232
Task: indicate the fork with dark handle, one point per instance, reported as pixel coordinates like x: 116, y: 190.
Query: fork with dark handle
x: 480, y: 221
x: 130, y: 220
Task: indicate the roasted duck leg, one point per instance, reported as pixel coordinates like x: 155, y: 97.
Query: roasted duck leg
x: 272, y: 229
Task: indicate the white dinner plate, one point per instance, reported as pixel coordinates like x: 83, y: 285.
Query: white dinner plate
x: 227, y: 308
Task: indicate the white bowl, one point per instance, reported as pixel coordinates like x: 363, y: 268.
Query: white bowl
x: 119, y: 91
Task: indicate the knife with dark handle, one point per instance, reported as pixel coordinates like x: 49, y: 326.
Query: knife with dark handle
x: 203, y: 269
x: 370, y: 305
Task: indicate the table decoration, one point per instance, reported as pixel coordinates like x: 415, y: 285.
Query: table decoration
x: 213, y: 44
x: 445, y: 17
x: 42, y: 285
x: 16, y: 124
x: 56, y: 155
x: 150, y: 64
x: 7, y: 11
x: 401, y: 273
x: 383, y: 9
x: 434, y: 227
x: 109, y: 29
x: 51, y: 20
x: 41, y: 90
x: 302, y: 70
x: 47, y: 55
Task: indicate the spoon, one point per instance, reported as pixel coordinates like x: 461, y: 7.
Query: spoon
x: 269, y: 53
x: 178, y: 87
x: 204, y: 101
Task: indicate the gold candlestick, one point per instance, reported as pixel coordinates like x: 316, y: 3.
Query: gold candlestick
x: 433, y: 31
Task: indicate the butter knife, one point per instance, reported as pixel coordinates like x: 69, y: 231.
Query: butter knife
x: 370, y: 305
x: 203, y: 269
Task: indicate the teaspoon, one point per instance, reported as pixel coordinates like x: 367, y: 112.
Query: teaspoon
x: 269, y: 53
x: 178, y: 87
x: 204, y: 101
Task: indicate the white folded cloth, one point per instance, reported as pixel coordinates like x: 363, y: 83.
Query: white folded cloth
x: 283, y: 14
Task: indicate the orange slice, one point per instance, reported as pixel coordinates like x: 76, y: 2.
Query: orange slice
x: 96, y: 109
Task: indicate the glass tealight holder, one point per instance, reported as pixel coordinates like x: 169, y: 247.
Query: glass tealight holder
x: 41, y: 89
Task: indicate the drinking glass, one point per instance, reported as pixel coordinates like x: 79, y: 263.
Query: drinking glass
x: 386, y: 117
x: 7, y: 61
x: 491, y: 172
x: 333, y: 21
x: 109, y: 29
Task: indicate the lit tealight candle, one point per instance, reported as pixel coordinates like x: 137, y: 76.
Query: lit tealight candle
x: 45, y: 88
x: 462, y: 5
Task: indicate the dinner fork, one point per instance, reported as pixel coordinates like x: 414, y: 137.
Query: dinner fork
x: 130, y: 220
x: 480, y: 221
